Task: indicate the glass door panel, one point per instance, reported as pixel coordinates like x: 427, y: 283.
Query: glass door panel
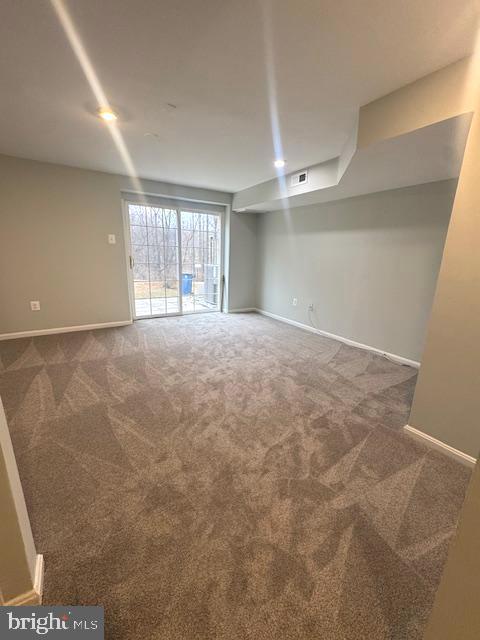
x: 200, y: 241
x: 155, y: 253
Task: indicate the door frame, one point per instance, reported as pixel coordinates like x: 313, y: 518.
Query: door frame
x: 177, y: 205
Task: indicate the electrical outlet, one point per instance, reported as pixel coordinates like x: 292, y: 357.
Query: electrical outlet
x: 35, y: 305
x: 294, y: 302
x: 310, y: 306
x: 111, y: 238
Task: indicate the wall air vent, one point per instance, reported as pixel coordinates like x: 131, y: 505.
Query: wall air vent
x: 299, y: 178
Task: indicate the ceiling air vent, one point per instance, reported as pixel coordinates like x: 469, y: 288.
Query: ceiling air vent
x: 299, y: 178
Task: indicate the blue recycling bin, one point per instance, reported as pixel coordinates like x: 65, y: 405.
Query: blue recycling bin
x: 187, y: 283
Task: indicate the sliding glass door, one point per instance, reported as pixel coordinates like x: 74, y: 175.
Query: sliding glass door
x: 175, y: 257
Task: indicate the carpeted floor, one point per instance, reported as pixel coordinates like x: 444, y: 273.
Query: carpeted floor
x: 228, y: 477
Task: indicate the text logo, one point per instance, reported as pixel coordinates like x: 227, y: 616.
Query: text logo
x: 22, y: 623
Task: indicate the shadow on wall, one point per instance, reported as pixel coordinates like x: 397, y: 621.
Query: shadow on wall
x: 368, y: 265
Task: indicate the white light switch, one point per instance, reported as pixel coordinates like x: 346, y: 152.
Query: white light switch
x: 294, y: 302
x: 111, y: 238
x: 35, y: 305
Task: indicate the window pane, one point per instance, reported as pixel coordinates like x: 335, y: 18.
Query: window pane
x: 210, y: 299
x: 155, y: 253
x: 171, y: 255
x: 153, y: 216
x: 173, y: 305
x: 159, y: 306
x: 137, y: 214
x: 187, y: 220
x: 140, y: 271
x: 141, y: 289
x: 138, y: 234
x: 213, y: 224
x: 187, y: 256
x: 187, y: 239
x: 155, y: 236
x: 172, y: 288
x: 140, y: 253
x: 156, y: 272
x: 170, y: 237
x: 188, y: 303
x: 199, y: 255
x: 169, y: 219
x: 157, y: 288
x: 171, y: 271
x: 162, y: 236
x: 142, y: 307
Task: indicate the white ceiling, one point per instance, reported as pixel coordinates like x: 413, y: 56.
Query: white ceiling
x: 392, y: 163
x: 208, y: 57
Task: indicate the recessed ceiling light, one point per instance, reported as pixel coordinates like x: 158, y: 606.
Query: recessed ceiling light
x: 278, y: 164
x: 107, y: 114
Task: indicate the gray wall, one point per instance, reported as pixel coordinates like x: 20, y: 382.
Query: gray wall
x: 17, y: 549
x: 456, y: 614
x: 446, y: 404
x: 53, y: 247
x: 368, y: 264
x: 54, y: 224
x: 243, y: 258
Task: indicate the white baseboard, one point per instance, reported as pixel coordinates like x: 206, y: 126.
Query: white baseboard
x: 245, y: 310
x: 464, y: 458
x: 352, y: 343
x: 39, y: 571
x: 34, y: 596
x: 28, y: 599
x: 46, y: 332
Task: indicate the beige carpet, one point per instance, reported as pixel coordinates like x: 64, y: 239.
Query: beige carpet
x: 229, y: 477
